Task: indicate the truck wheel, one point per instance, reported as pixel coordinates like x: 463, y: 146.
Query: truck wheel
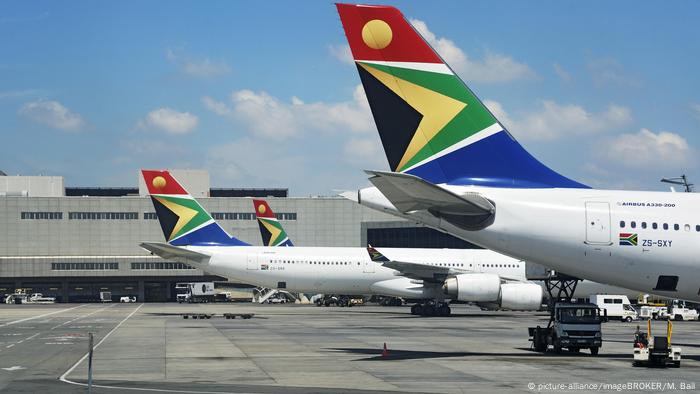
x: 414, y: 309
x: 676, y: 364
x: 678, y: 317
x: 628, y: 319
x: 594, y: 351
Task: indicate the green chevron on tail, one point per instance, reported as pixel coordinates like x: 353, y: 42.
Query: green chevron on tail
x: 270, y: 228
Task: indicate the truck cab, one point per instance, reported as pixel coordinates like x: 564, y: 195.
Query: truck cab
x: 576, y: 327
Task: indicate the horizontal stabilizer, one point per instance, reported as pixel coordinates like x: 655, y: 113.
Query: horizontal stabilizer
x: 170, y: 252
x: 411, y: 193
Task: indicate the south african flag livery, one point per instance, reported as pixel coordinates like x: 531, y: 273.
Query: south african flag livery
x: 183, y: 220
x: 270, y: 228
x: 628, y: 239
x: 430, y: 123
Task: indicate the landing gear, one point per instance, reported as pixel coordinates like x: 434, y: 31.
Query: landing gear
x: 441, y: 309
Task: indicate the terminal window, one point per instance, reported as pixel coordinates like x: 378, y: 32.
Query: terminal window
x: 103, y: 215
x: 414, y: 237
x: 84, y: 266
x: 42, y: 215
x: 164, y: 265
x: 250, y: 216
x: 150, y: 216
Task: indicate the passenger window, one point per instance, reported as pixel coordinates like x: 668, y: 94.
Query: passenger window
x: 654, y: 226
x: 697, y: 227
x: 633, y: 224
x: 622, y: 224
x: 676, y: 227
x: 665, y: 226
x: 644, y: 224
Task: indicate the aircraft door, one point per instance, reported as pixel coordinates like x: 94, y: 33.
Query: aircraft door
x: 598, y: 223
x: 252, y: 263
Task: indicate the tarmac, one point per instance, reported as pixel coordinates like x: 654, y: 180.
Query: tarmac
x: 308, y: 349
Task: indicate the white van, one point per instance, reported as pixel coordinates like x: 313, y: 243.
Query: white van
x: 617, y: 306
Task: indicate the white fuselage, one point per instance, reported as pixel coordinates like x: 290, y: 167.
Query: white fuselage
x: 580, y: 232
x: 347, y: 270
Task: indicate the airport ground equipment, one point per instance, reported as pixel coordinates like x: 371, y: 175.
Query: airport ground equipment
x: 38, y: 298
x: 570, y: 326
x: 615, y: 306
x: 127, y: 299
x: 194, y: 292
x: 655, y: 351
x: 227, y: 316
x: 105, y: 296
x: 653, y: 312
x: 679, y: 311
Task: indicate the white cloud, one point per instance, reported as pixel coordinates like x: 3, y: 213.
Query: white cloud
x: 271, y: 117
x: 563, y: 75
x: 366, y: 152
x: 695, y: 107
x: 553, y: 120
x: 664, y: 149
x: 495, y: 67
x: 342, y: 52
x: 608, y: 71
x: 169, y: 120
x: 53, y: 114
x: 202, y: 67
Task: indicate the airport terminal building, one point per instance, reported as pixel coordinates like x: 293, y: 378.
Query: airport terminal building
x: 72, y: 243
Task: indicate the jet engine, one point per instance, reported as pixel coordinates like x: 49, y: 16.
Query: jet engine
x: 486, y: 289
x: 521, y: 296
x: 473, y: 287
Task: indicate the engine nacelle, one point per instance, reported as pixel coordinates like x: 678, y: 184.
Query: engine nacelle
x: 473, y: 287
x: 403, y: 287
x: 521, y: 296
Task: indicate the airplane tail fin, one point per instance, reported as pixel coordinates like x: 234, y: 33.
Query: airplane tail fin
x: 375, y: 255
x: 183, y: 220
x: 270, y: 228
x: 430, y: 123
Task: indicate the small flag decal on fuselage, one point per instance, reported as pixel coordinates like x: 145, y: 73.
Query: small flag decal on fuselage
x: 628, y: 239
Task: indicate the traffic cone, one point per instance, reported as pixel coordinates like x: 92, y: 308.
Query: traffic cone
x: 385, y: 352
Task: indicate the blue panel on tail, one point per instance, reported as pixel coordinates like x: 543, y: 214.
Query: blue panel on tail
x: 209, y: 235
x: 495, y: 161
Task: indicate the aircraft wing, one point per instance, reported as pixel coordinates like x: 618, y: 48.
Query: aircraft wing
x: 175, y: 253
x: 424, y: 272
x: 410, y: 193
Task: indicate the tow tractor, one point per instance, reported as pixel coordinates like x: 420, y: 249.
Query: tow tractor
x: 571, y: 326
x: 655, y: 351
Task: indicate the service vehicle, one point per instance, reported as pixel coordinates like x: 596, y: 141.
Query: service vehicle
x: 195, y: 292
x: 679, y: 311
x: 105, y: 296
x: 655, y: 351
x: 127, y: 299
x: 616, y: 306
x: 38, y: 298
x: 653, y: 312
x: 573, y: 327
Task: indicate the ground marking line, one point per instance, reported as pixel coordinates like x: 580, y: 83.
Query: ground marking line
x: 63, y: 377
x: 82, y: 317
x: 40, y: 316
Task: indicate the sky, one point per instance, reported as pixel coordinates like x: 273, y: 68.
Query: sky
x: 264, y: 94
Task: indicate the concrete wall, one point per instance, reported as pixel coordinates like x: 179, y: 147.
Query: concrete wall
x: 32, y: 186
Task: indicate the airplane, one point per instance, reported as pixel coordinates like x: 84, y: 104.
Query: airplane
x: 194, y: 238
x: 273, y: 234
x: 455, y: 168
